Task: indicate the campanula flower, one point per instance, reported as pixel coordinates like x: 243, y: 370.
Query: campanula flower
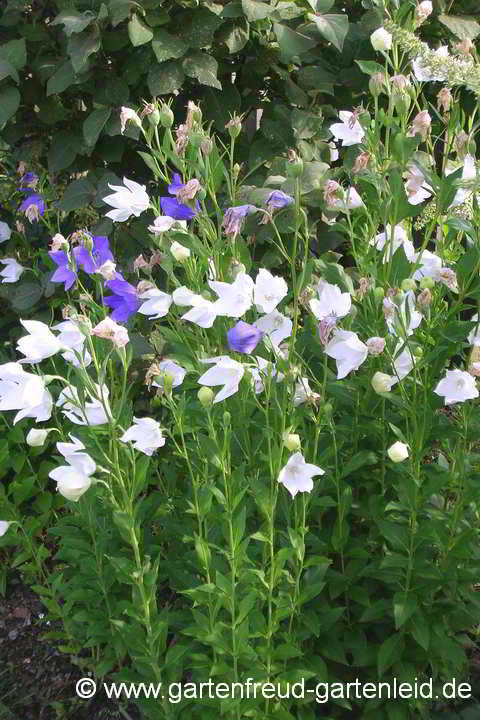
x: 24, y: 392
x: 243, y: 337
x: 33, y: 206
x: 124, y: 301
x: 145, y: 434
x: 226, y: 372
x: 297, y: 474
x: 349, y: 131
x: 64, y: 272
x: 278, y: 199
x: 92, y: 261
x: 234, y: 299
x: 234, y: 217
x: 5, y: 232
x: 155, y: 303
x: 348, y: 351
x: 131, y: 198
x: 269, y: 290
x: 278, y: 327
x: 331, y: 302
x: 74, y: 479
x: 457, y: 386
x: 12, y: 270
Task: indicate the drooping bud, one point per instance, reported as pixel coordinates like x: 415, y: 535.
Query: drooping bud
x: 377, y: 84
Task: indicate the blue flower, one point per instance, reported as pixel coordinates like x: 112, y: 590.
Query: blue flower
x: 244, y: 337
x: 64, y: 273
x: 278, y: 199
x: 171, y: 206
x: 33, y: 206
x: 234, y: 217
x: 92, y: 261
x: 124, y: 300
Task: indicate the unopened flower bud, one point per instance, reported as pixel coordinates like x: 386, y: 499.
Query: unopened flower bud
x: 179, y: 252
x: 294, y: 165
x: 427, y: 283
x: 375, y: 345
x: 418, y: 351
x: 36, y: 438
x: 205, y: 396
x: 166, y: 116
x: 378, y: 293
x: 398, y: 452
x: 154, y: 117
x: 361, y: 162
x: 408, y: 284
x: 234, y: 126
x: 327, y: 410
x: 167, y: 382
x: 382, y: 383
x: 381, y: 40
x: 206, y: 146
x: 226, y: 418
x: 461, y: 144
x: 398, y: 297
x: 194, y: 114
x: 292, y: 442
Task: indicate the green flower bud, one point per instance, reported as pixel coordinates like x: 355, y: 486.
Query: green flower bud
x: 226, y: 418
x: 205, y: 396
x: 154, y: 118
x: 327, y: 410
x: 379, y: 293
x: 166, y: 116
x: 408, y: 284
x: 427, y: 282
x: 418, y: 351
x: 292, y: 442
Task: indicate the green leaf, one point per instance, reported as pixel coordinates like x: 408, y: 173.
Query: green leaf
x: 235, y: 35
x: 255, y: 10
x: 138, y: 32
x: 404, y: 605
x: 364, y: 457
x: 334, y: 28
x: 292, y: 42
x: 370, y: 67
x: 420, y: 630
x: 63, y: 150
x: 203, y: 67
x: 221, y: 105
x: 62, y: 78
x: 81, y: 46
x: 25, y: 295
x: 79, y: 193
x: 9, y: 103
x: 389, y: 652
x: 73, y: 21
x: 462, y: 27
x: 165, y: 78
x: 94, y: 124
x: 196, y: 28
x: 119, y: 10
x: 7, y: 70
x: 166, y: 46
x: 15, y: 53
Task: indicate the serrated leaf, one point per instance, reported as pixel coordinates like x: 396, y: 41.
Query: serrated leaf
x: 465, y: 28
x: 62, y: 78
x: 291, y: 42
x: 73, y: 21
x: 334, y: 28
x: 138, y: 32
x: 94, y: 124
x: 166, y: 46
x: 203, y: 67
x: 63, y: 150
x: 9, y: 103
x: 81, y: 46
x: 256, y: 10
x: 165, y: 78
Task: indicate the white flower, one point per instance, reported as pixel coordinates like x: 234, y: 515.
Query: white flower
x: 172, y: 368
x: 381, y: 39
x: 349, y: 130
x: 278, y: 327
x: 416, y: 187
x: 157, y: 303
x: 41, y: 343
x: 128, y: 115
x: 92, y: 413
x: 5, y: 232
x: 203, y: 312
x: 234, y: 299
x: 110, y: 330
x: 297, y: 474
x: 382, y: 383
x: 269, y: 290
x: 469, y: 172
x: 302, y: 392
x: 128, y: 199
x: 179, y: 252
x: 74, y: 479
x: 430, y: 265
x: 383, y: 241
x: 107, y: 270
x: 227, y: 372
x: 161, y: 224
x: 36, y: 438
x: 24, y: 392
x: 474, y: 335
x: 67, y: 449
x: 457, y: 386
x: 331, y: 302
x: 4, y: 525
x: 73, y: 338
x: 348, y: 351
x: 398, y: 452
x: 145, y: 434
x: 403, y: 361
x: 421, y: 71
x: 12, y: 270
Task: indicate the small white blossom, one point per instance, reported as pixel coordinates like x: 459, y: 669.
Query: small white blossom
x: 457, y: 386
x: 383, y: 241
x: 172, y: 368
x: 381, y: 39
x: 297, y: 474
x: 303, y: 393
x: 24, y: 392
x: 348, y: 351
x: 349, y: 130
x: 12, y: 270
x: 278, y: 327
x: 268, y: 291
x: 226, y: 372
x: 39, y: 344
x: 331, y: 302
x: 145, y: 434
x: 91, y: 413
x: 203, y: 312
x: 234, y: 299
x: 128, y: 199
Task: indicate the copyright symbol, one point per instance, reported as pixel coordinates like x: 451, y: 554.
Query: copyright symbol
x: 85, y: 688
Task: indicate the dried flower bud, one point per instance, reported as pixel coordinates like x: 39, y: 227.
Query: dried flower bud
x: 107, y: 270
x: 194, y: 114
x: 388, y: 309
x: 206, y: 146
x: 424, y: 298
x: 143, y: 286
x: 377, y: 84
x: 140, y: 263
x: 58, y: 243
x: 364, y: 285
x: 375, y: 345
x: 444, y: 99
x: 234, y: 126
x: 109, y: 330
x: 420, y: 125
x: 20, y: 226
x: 361, y: 162
x: 461, y: 144
x: 188, y: 191
x: 332, y: 192
x: 449, y: 278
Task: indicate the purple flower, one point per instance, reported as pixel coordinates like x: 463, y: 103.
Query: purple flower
x: 244, y: 337
x: 33, y: 206
x: 278, y: 199
x: 174, y: 209
x: 176, y: 184
x: 27, y: 182
x: 63, y: 273
x: 234, y: 217
x: 92, y: 261
x: 124, y: 300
